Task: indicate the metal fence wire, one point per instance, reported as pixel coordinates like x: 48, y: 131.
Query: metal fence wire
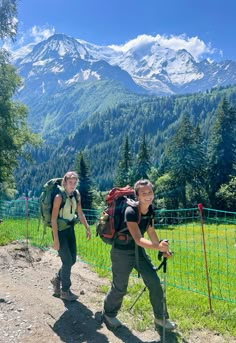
x: 203, y: 242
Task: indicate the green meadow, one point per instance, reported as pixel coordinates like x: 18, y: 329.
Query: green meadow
x: 201, y: 286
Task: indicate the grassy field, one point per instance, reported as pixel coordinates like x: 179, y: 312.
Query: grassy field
x: 187, y: 291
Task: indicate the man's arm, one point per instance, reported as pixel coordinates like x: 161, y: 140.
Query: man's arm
x: 153, y: 243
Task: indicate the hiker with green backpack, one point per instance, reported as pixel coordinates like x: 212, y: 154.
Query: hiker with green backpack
x: 63, y: 219
x: 127, y: 254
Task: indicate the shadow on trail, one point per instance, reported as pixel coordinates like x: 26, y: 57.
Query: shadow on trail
x: 170, y: 336
x: 127, y: 336
x: 78, y: 324
x: 124, y: 334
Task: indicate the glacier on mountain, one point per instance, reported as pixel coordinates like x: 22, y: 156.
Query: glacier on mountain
x: 150, y: 66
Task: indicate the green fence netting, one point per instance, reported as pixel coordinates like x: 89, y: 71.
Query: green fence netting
x: 203, y: 244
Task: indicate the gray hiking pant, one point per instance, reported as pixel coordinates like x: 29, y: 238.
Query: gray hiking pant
x: 67, y: 253
x: 123, y: 261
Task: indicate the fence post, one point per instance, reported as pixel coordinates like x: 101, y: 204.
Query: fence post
x: 200, y: 208
x: 27, y: 221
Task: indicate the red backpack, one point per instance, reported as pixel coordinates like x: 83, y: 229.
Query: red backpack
x: 110, y: 223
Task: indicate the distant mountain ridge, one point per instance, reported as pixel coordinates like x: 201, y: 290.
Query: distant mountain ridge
x: 65, y: 61
x: 101, y: 135
x: 63, y: 84
x: 66, y: 80
x: 82, y: 97
x: 147, y: 68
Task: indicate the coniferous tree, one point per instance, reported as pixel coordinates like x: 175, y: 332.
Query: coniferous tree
x: 157, y: 116
x: 85, y: 183
x: 124, y: 166
x: 184, y: 160
x: 143, y: 164
x: 222, y: 149
x: 198, y: 184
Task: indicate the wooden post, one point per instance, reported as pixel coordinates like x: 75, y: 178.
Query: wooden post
x: 200, y: 208
x: 27, y: 221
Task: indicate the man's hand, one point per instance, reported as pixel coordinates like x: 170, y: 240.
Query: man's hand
x: 164, y: 253
x: 163, y: 246
x: 167, y: 254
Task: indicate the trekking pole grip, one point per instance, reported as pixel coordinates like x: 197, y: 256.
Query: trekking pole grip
x: 164, y: 261
x: 160, y: 253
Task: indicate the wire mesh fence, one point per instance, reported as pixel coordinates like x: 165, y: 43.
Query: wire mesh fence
x: 203, y: 244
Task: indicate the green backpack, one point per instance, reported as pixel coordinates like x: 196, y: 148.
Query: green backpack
x: 50, y: 189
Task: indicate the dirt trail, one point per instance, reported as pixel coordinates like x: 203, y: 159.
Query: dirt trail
x: 30, y: 314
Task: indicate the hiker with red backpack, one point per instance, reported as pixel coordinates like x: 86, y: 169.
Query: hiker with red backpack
x: 64, y: 241
x: 132, y: 254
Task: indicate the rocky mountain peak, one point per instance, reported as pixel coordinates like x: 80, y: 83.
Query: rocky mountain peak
x: 57, y: 46
x: 152, y: 67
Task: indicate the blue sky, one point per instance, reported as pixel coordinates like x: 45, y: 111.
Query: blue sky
x: 207, y: 26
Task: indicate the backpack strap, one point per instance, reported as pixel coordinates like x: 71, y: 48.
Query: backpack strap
x: 62, y: 192
x: 139, y: 214
x: 65, y: 222
x: 150, y: 216
x: 77, y: 196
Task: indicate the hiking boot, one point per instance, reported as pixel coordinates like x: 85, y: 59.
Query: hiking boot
x: 169, y: 325
x: 111, y: 322
x: 56, y: 286
x: 68, y: 295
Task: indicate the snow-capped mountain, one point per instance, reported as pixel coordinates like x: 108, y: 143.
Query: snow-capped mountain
x: 62, y: 61
x: 57, y: 46
x: 63, y: 84
x: 146, y: 67
x: 163, y: 70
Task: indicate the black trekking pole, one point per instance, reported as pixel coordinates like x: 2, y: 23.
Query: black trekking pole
x: 164, y: 265
x: 143, y: 290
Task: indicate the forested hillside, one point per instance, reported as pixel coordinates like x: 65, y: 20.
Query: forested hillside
x: 93, y: 118
x: 101, y: 135
x: 56, y: 115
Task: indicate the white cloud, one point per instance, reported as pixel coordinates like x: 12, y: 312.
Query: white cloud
x: 41, y: 33
x: 34, y: 35
x: 194, y: 45
x: 25, y: 40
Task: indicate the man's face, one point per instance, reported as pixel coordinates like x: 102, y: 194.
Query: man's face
x: 145, y: 195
